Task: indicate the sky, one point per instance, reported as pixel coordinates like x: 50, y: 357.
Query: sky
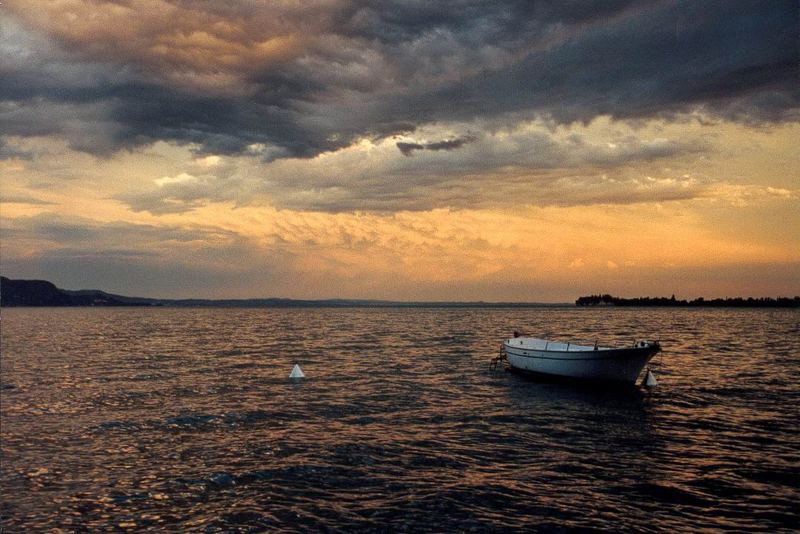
x: 404, y: 150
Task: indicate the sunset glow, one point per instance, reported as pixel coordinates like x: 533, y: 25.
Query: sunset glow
x: 320, y: 150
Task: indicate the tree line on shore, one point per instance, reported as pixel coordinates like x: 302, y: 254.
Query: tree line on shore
x: 734, y: 302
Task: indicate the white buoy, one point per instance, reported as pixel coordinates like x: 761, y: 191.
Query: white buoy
x: 650, y: 381
x: 297, y: 372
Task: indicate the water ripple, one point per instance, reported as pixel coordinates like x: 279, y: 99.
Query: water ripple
x: 184, y: 420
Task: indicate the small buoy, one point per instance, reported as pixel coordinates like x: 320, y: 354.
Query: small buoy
x: 650, y: 381
x: 297, y: 372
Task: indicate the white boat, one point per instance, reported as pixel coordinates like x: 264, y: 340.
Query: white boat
x: 540, y: 356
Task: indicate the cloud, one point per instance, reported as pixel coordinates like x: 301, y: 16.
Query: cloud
x: 420, y: 255
x: 744, y: 195
x: 603, y: 163
x: 531, y: 163
x: 407, y: 149
x: 57, y: 229
x: 307, y: 80
x: 209, y: 178
x: 11, y: 151
x: 79, y: 252
x: 660, y: 61
x: 24, y: 199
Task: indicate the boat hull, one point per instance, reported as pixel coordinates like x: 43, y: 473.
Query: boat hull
x: 616, y: 365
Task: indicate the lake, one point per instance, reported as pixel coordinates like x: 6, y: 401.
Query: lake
x: 184, y: 419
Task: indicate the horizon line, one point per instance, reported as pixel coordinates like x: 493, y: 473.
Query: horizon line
x: 381, y: 301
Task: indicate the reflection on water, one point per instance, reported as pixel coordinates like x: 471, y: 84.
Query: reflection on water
x: 184, y: 419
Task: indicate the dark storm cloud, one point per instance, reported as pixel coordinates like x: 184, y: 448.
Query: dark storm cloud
x: 738, y: 60
x: 396, y: 22
x: 448, y: 144
x: 303, y: 82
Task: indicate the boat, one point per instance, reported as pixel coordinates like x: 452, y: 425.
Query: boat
x: 567, y: 360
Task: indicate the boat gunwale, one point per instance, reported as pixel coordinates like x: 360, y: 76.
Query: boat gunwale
x: 584, y: 348
x: 618, y: 353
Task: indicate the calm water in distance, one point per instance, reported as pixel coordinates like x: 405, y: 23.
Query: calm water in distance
x: 184, y: 420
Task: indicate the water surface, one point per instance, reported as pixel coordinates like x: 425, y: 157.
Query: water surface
x: 184, y: 419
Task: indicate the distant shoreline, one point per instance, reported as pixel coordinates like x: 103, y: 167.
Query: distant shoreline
x: 735, y: 302
x: 41, y: 293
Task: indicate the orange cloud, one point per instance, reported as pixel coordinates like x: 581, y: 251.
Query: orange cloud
x: 196, y: 48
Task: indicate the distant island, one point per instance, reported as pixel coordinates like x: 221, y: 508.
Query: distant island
x: 44, y: 293
x: 737, y: 302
